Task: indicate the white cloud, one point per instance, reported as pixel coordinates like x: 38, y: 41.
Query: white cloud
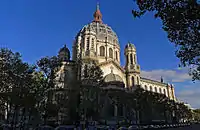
x: 191, y: 96
x: 168, y: 75
x: 186, y: 91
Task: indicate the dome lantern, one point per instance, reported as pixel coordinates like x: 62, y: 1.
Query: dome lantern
x: 97, y: 15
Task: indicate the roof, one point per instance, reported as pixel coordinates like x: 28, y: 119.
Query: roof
x: 153, y: 81
x: 64, y: 49
x: 112, y: 78
x: 130, y: 45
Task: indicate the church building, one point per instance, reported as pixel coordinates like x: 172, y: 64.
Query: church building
x: 97, y: 41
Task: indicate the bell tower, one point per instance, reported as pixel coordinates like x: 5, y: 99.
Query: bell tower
x: 132, y: 68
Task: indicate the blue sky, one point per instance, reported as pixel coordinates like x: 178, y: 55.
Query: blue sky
x: 38, y: 28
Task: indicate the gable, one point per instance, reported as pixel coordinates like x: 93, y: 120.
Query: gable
x: 113, y: 63
x: 107, y: 67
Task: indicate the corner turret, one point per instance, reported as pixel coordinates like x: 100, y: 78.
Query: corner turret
x: 132, y: 68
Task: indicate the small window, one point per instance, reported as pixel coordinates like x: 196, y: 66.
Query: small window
x: 88, y: 44
x: 92, y: 45
x: 120, y: 110
x: 102, y: 51
x: 135, y: 58
x: 110, y: 53
x: 164, y: 91
x: 111, y: 110
x: 116, y: 54
x: 133, y: 81
x: 156, y: 90
x: 160, y: 90
x: 150, y: 88
x: 145, y: 87
x: 138, y: 80
x: 127, y: 59
x: 131, y: 58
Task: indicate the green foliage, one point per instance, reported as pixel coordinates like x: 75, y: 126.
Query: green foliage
x: 48, y: 66
x: 23, y: 86
x: 31, y: 90
x: 155, y: 106
x: 92, y: 74
x: 196, y: 114
x: 181, y: 21
x: 16, y: 80
x: 89, y: 102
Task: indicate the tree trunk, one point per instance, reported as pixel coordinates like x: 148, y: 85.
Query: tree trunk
x: 13, y: 123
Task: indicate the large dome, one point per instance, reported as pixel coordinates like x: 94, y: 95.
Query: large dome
x: 97, y: 40
x: 101, y: 31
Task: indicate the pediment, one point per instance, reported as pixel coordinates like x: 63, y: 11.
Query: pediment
x: 113, y: 63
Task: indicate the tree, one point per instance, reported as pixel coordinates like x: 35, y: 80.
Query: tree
x: 91, y: 74
x: 49, y: 66
x: 196, y: 114
x: 89, y: 106
x: 16, y: 80
x: 155, y: 106
x: 47, y: 70
x: 181, y: 21
x: 91, y: 80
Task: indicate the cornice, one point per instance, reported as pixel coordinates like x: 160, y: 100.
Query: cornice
x: 153, y: 81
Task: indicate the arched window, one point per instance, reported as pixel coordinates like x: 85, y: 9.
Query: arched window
x: 120, y: 110
x: 116, y: 55
x: 135, y: 58
x: 164, y: 91
x: 102, y: 51
x: 151, y: 88
x: 145, y: 87
x: 92, y: 45
x: 160, y: 90
x: 88, y: 44
x: 131, y: 58
x: 133, y: 81
x: 111, y: 110
x: 127, y: 59
x: 155, y: 89
x: 110, y: 53
x: 138, y: 81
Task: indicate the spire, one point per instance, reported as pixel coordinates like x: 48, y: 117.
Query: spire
x: 97, y: 5
x: 161, y: 80
x: 97, y: 14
